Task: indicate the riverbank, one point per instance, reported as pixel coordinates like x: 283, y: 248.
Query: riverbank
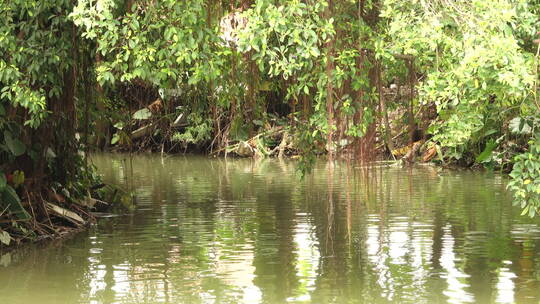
x: 49, y: 215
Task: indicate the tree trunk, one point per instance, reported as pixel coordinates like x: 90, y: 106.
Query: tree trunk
x: 410, y: 110
x: 382, y: 104
x: 330, y: 88
x: 101, y: 139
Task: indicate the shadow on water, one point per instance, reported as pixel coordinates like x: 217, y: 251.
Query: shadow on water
x: 243, y: 231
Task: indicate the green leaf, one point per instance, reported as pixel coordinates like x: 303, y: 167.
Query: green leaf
x: 3, y: 181
x: 115, y: 139
x: 142, y: 114
x: 486, y: 154
x: 18, y: 178
x: 11, y: 201
x: 519, y: 125
x: 525, y: 210
x: 49, y: 153
x: 532, y: 211
x: 5, y: 238
x: 15, y: 146
x: 119, y: 125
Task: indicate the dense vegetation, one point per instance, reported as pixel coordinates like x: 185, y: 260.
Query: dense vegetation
x: 454, y: 80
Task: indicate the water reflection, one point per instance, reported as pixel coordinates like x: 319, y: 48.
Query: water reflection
x: 240, y: 231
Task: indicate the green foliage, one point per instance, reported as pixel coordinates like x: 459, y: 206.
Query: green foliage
x: 199, y: 130
x: 162, y: 42
x: 142, y: 114
x: 36, y: 50
x: 485, y: 156
x: 475, y: 64
x: 5, y: 238
x: 286, y: 38
x: 290, y: 41
x: 41, y: 60
x: 524, y: 125
x: 525, y: 183
x: 14, y: 145
x: 9, y: 200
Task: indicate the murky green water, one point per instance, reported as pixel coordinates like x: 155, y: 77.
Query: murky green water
x: 239, y: 231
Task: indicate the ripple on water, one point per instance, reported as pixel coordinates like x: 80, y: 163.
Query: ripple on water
x: 239, y: 231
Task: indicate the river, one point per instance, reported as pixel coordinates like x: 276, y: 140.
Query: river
x: 210, y: 230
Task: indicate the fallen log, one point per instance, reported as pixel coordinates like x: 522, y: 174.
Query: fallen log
x: 68, y: 215
x: 410, y: 155
x: 429, y: 154
x: 142, y: 131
